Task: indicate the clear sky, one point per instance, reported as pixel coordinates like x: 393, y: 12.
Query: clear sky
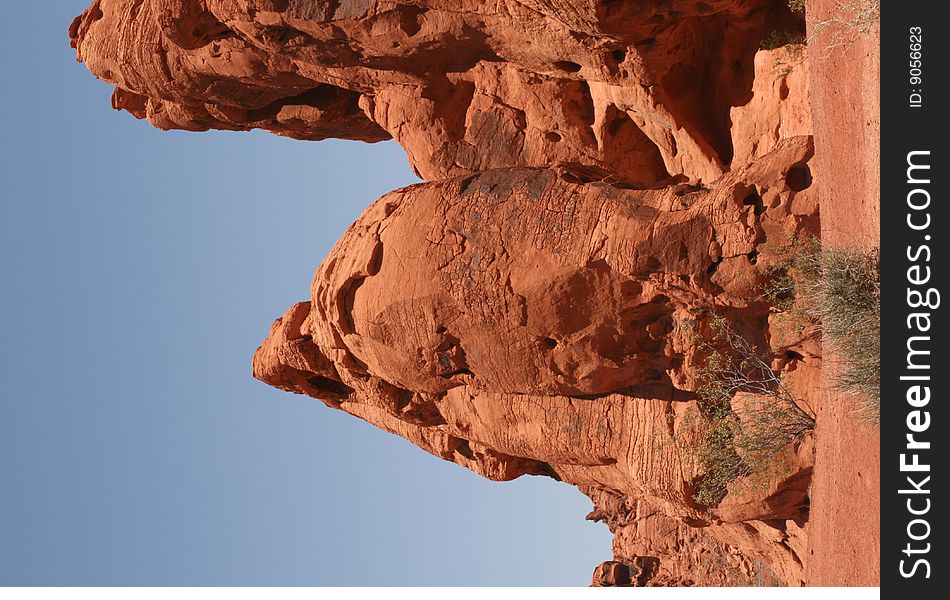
x: 140, y: 271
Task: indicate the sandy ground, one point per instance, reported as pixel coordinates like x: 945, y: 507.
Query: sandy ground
x: 844, y: 525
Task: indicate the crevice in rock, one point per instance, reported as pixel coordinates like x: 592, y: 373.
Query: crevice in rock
x: 567, y: 66
x: 326, y: 386
x: 323, y: 97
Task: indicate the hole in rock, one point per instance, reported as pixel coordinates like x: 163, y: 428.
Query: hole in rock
x: 567, y: 66
x: 754, y: 200
x: 465, y: 449
x: 458, y: 373
x: 410, y: 20
x: 612, y: 5
x: 330, y: 386
x: 798, y: 178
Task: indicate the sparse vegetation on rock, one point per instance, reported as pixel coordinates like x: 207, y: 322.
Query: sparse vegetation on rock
x: 747, y: 416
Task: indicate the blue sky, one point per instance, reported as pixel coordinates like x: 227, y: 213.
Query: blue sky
x: 141, y: 269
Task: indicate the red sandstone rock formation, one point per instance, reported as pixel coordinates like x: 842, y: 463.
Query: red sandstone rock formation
x: 521, y: 321
x: 642, y: 90
x: 602, y: 179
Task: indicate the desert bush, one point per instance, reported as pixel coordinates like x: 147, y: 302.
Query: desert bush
x: 839, y: 290
x: 850, y: 19
x: 848, y: 301
x: 740, y: 440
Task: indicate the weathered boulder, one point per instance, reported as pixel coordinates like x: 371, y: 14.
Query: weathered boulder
x: 523, y: 321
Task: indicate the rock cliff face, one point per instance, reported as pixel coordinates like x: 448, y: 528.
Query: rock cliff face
x: 602, y: 180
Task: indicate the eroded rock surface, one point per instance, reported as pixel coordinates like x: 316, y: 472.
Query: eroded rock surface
x: 521, y: 321
x: 642, y: 90
x: 602, y: 179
